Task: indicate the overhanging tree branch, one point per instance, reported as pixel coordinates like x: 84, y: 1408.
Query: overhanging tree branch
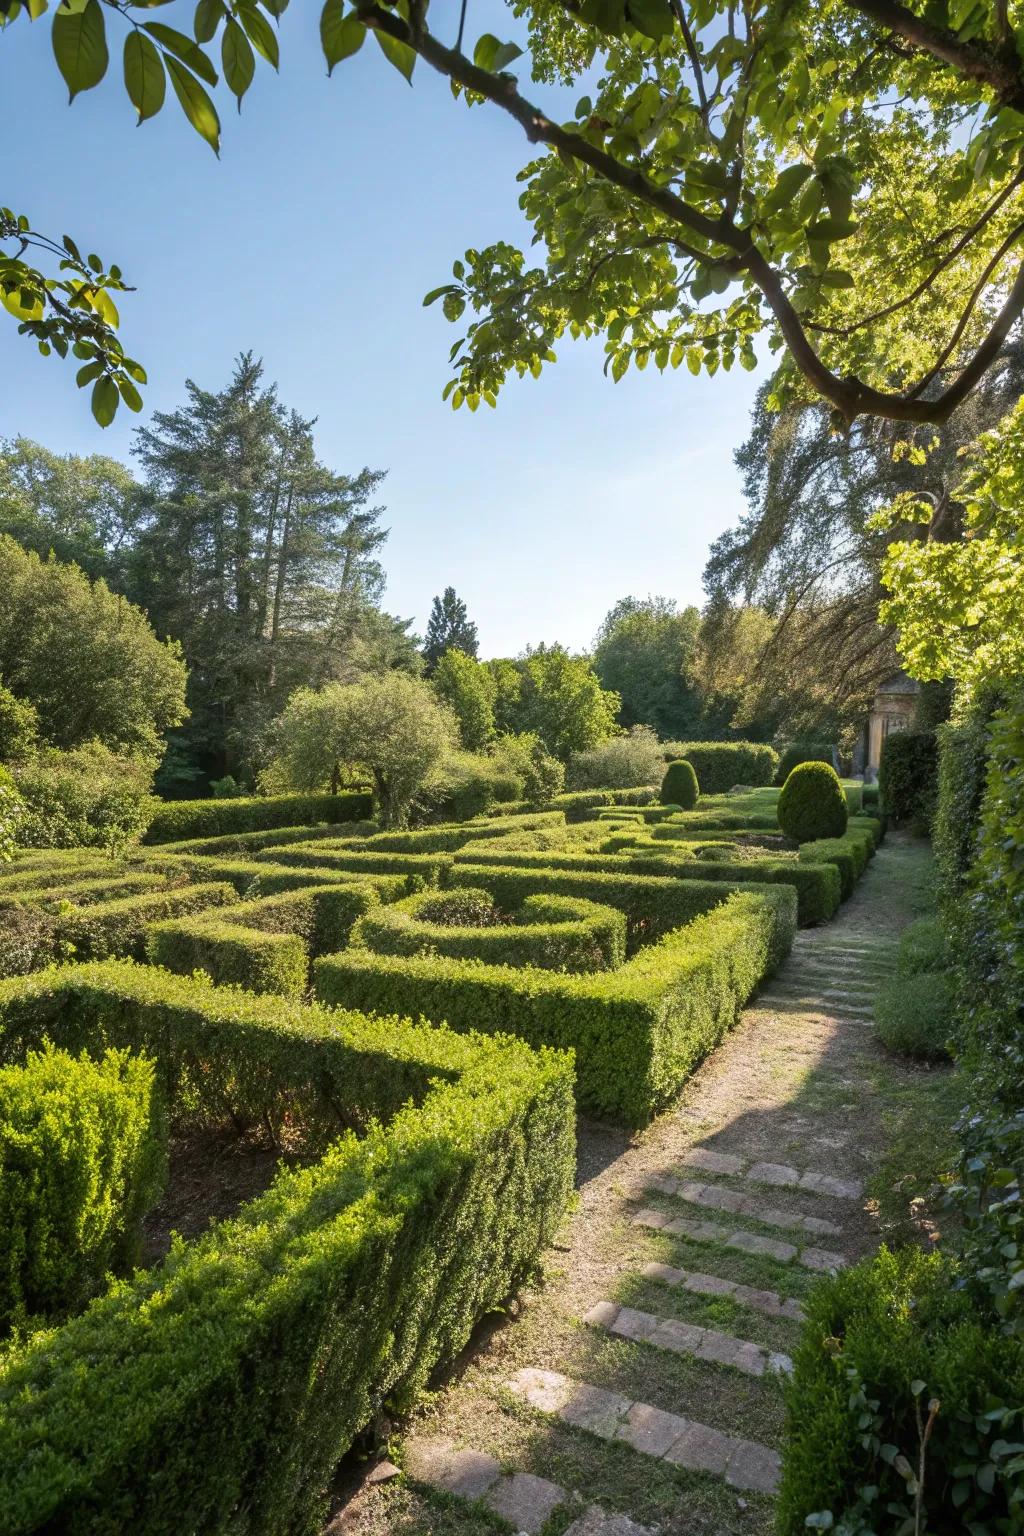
x: 850, y: 396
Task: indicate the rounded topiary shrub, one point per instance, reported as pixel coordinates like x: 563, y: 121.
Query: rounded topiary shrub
x: 812, y: 803
x: 914, y: 1014
x: 679, y: 786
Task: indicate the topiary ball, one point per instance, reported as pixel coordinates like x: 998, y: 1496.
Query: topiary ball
x: 679, y: 786
x: 812, y: 803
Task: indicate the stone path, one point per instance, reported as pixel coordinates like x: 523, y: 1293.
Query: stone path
x: 639, y: 1388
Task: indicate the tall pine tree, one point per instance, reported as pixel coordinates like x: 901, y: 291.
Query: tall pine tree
x: 448, y: 629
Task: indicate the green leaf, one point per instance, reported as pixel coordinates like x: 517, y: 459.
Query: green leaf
x: 87, y: 373
x: 399, y: 54
x: 35, y: 8
x: 260, y: 33
x: 195, y: 104
x: 209, y: 15
x: 144, y: 78
x: 837, y: 278
x: 238, y: 60
x: 104, y: 400
x: 437, y: 293
x: 492, y: 54
x: 786, y: 187
x: 183, y: 48
x: 340, y: 35
x: 129, y: 394
x: 828, y: 230
x: 80, y: 47
x: 651, y: 17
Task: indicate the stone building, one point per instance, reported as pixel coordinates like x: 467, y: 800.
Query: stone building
x: 892, y: 709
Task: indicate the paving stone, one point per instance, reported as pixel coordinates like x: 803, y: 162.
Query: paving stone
x: 825, y: 1184
x: 468, y: 1474
x: 663, y: 1183
x: 650, y: 1218
x: 602, y: 1315
x: 753, y: 1467
x: 682, y: 1338
x: 726, y: 1350
x: 821, y: 1259
x: 778, y: 1361
x: 650, y: 1430
x: 700, y: 1231
x: 710, y: 1285
x: 820, y: 1227
x: 766, y: 1247
x: 714, y: 1162
x: 525, y: 1501
x: 630, y: 1324
x: 701, y: 1449
x: 664, y: 1272
x: 545, y: 1390
x: 594, y: 1522
x: 717, y: 1198
x: 773, y: 1173
x: 383, y: 1472
x: 595, y: 1409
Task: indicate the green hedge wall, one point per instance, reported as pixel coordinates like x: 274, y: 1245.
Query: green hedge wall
x: 550, y: 932
x: 264, y: 945
x: 217, y: 1392
x: 721, y: 764
x: 638, y: 1032
x: 119, y: 927
x: 177, y: 819
x: 83, y: 892
x: 81, y: 1161
x: 908, y: 776
x: 246, y: 844
x: 427, y: 868
x: 817, y: 890
x: 963, y: 755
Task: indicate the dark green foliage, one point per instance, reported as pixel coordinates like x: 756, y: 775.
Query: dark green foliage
x: 849, y: 854
x: 81, y: 1161
x: 679, y: 786
x: 922, y: 947
x: 802, y: 752
x: 108, y: 928
x: 218, y: 1392
x: 558, y: 933
x: 638, y: 1032
x: 19, y: 726
x: 962, y: 756
x: 908, y: 777
x: 448, y: 629
x: 264, y: 945
x: 812, y: 804
x: 721, y: 764
x: 881, y: 1341
x: 817, y: 886
x: 246, y: 844
x: 179, y: 819
x: 914, y: 1014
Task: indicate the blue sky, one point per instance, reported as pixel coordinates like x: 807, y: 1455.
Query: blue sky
x: 336, y: 204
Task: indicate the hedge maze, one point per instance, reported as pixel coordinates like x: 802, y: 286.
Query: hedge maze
x: 419, y: 1014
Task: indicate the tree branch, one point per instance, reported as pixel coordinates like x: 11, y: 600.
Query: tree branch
x: 995, y: 67
x: 849, y: 396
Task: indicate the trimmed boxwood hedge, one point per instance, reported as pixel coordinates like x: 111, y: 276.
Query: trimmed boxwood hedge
x: 817, y: 889
x: 908, y: 776
x: 561, y: 933
x: 802, y: 752
x: 245, y: 844
x: 217, y: 1392
x: 81, y: 1161
x: 265, y: 945
x: 177, y: 819
x: 721, y: 764
x: 638, y: 1032
x: 812, y: 804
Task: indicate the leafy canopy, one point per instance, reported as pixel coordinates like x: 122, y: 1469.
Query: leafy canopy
x: 841, y: 177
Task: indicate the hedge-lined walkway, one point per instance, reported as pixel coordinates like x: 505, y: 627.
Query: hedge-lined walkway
x: 640, y: 1387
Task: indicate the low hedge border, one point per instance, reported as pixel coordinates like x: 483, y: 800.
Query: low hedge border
x: 83, y: 892
x: 444, y: 839
x: 245, y: 844
x: 818, y: 892
x: 119, y: 927
x: 653, y: 904
x: 562, y: 933
x: 425, y: 868
x: 178, y: 819
x: 254, y: 878
x: 638, y: 1032
x: 231, y: 1379
x: 265, y: 945
x: 721, y: 764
